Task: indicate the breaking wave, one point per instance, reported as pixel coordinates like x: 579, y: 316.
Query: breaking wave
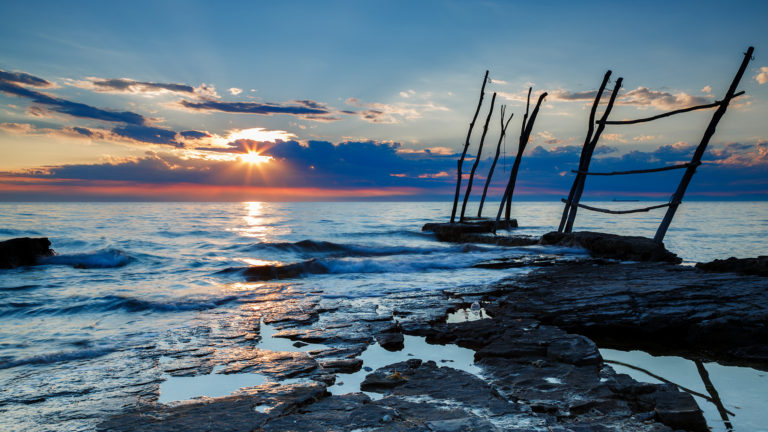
x: 103, y: 258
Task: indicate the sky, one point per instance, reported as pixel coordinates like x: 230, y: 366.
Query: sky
x: 350, y: 100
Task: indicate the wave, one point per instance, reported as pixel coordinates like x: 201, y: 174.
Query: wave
x: 115, y: 303
x: 400, y: 264
x: 338, y: 249
x: 102, y: 258
x: 58, y: 357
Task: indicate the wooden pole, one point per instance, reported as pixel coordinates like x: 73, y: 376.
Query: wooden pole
x: 587, y: 140
x: 477, y: 159
x: 504, y: 126
x: 587, y: 154
x: 524, y: 137
x: 460, y: 162
x: 507, y: 198
x: 677, y: 198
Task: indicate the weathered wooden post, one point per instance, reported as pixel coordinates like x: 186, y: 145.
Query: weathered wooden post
x: 677, y: 198
x: 525, y: 136
x: 587, y: 154
x: 587, y: 140
x: 504, y: 126
x: 460, y: 162
x: 477, y: 159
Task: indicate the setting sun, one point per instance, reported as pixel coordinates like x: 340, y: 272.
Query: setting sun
x: 254, y: 158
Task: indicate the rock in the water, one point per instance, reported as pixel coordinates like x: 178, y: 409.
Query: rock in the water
x: 391, y: 341
x: 604, y: 245
x: 23, y: 251
x: 753, y: 266
x: 455, y: 232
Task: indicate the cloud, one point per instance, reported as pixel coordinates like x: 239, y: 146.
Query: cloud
x: 376, y: 112
x: 148, y: 134
x: 131, y: 86
x: 762, y: 76
x: 645, y: 97
x: 234, y: 91
x: 306, y: 109
x: 338, y: 170
x: 74, y: 109
x: 614, y: 137
x: 707, y: 89
x: 24, y: 78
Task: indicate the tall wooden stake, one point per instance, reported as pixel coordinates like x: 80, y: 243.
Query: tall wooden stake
x: 466, y: 146
x: 587, y: 155
x: 677, y: 198
x: 524, y: 138
x: 477, y: 159
x: 587, y: 140
x: 504, y: 126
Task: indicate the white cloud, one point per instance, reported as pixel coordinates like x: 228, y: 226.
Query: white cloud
x: 762, y: 76
x: 234, y: 91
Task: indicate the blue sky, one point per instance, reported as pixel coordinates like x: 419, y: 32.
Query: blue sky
x: 112, y: 100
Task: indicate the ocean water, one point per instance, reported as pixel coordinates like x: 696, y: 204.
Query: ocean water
x: 81, y: 335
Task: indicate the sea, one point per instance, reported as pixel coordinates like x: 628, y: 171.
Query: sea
x: 81, y: 335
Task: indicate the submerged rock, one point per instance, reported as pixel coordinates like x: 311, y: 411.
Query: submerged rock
x: 602, y: 245
x: 455, y: 232
x: 751, y: 266
x: 23, y: 251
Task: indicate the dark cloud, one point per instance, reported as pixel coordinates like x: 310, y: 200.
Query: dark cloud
x: 82, y: 131
x: 24, y: 78
x: 131, y: 86
x: 147, y: 134
x: 305, y: 108
x: 192, y: 134
x: 350, y: 165
x: 74, y: 109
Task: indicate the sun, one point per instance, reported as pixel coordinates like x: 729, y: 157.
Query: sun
x: 254, y: 158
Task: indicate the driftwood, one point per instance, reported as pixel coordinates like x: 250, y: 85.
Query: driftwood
x: 466, y: 146
x: 677, y: 198
x: 587, y: 140
x: 477, y: 159
x: 525, y: 136
x: 504, y: 126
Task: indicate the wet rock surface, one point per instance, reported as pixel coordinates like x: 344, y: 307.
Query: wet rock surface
x: 540, y: 369
x: 751, y: 266
x: 23, y: 251
x: 602, y: 245
x: 652, y: 306
x: 463, y: 231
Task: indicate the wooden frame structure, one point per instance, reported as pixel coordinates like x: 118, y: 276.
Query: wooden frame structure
x: 593, y: 136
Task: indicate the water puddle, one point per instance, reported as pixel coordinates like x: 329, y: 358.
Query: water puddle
x: 175, y: 389
x: 417, y: 347
x: 740, y: 392
x: 213, y: 385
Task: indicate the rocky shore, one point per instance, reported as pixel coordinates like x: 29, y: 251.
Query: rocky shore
x: 540, y: 367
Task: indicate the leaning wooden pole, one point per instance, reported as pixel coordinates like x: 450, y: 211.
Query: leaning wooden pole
x: 503, y: 133
x: 581, y: 178
x: 677, y: 198
x: 587, y: 140
x: 524, y: 138
x: 466, y: 146
x: 477, y: 159
x: 505, y: 199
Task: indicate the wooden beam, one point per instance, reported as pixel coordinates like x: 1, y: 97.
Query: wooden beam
x: 602, y: 210
x: 504, y: 126
x: 667, y: 114
x: 580, y: 178
x: 460, y: 162
x: 477, y: 159
x: 650, y: 170
x: 677, y: 198
x: 587, y: 140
